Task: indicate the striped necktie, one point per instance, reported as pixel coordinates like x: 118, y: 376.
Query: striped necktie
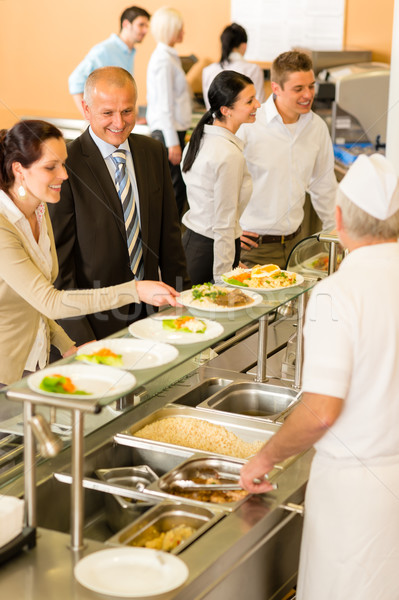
x: 125, y: 192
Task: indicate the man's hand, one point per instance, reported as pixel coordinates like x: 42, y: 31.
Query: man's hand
x: 174, y: 155
x: 157, y: 293
x: 249, y: 240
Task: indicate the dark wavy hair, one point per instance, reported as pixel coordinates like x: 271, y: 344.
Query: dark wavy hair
x: 23, y: 143
x: 232, y: 36
x: 223, y: 91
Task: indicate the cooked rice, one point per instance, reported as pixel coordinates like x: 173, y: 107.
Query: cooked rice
x: 198, y: 434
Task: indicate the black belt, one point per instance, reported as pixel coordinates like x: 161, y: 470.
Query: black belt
x: 278, y: 239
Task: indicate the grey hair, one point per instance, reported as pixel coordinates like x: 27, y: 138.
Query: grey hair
x: 360, y: 224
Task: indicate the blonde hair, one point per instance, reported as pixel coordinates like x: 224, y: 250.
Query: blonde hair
x: 166, y: 23
x: 360, y: 224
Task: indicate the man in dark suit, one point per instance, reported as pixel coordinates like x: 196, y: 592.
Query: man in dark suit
x: 89, y: 224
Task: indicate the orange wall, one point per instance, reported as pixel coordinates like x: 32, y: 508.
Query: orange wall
x: 41, y: 42
x: 369, y: 26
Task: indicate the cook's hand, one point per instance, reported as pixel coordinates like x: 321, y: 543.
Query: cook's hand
x: 249, y: 240
x: 256, y: 471
x: 174, y: 154
x: 157, y: 293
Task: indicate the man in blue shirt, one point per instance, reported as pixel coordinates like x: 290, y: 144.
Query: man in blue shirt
x: 116, y: 51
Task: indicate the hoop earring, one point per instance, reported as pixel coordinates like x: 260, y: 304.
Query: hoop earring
x: 21, y: 192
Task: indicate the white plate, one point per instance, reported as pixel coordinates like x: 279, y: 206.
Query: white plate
x: 299, y: 280
x: 97, y: 380
x: 131, y: 572
x: 152, y: 328
x: 186, y: 299
x: 136, y: 354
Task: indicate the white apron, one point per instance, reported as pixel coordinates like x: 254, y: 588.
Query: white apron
x: 350, y: 543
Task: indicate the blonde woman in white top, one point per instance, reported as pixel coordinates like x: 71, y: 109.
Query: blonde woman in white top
x: 218, y: 182
x: 168, y: 95
x: 234, y: 45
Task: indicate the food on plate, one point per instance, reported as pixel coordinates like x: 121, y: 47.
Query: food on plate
x: 207, y: 295
x: 198, y: 434
x: 59, y: 384
x: 321, y: 262
x: 187, y: 324
x: 163, y: 540
x: 104, y: 356
x: 261, y: 277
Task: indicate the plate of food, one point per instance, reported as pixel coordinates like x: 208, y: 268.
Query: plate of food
x: 125, y: 353
x: 131, y: 572
x: 176, y: 329
x: 95, y: 382
x: 209, y: 297
x: 262, y: 278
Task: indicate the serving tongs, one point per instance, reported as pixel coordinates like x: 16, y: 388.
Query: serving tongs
x: 187, y: 485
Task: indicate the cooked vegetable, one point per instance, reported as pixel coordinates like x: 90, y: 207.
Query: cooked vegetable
x: 187, y: 324
x: 59, y: 384
x: 104, y: 356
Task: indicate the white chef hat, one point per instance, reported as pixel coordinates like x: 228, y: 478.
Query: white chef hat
x: 370, y: 183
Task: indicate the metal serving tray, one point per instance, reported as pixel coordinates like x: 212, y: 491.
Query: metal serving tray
x: 198, y: 393
x: 121, y: 511
x: 251, y: 399
x: 246, y: 430
x: 164, y: 517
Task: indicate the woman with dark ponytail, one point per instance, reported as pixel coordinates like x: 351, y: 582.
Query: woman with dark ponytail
x: 32, y: 169
x: 234, y: 45
x: 218, y: 182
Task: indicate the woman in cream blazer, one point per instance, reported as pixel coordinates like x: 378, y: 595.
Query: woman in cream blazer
x: 32, y: 156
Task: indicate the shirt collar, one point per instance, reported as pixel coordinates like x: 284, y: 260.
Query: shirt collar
x: 105, y: 148
x: 168, y: 49
x: 9, y: 209
x: 223, y: 132
x: 271, y: 112
x: 117, y: 40
x: 235, y: 56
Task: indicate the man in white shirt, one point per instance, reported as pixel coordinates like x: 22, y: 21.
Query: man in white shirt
x: 349, y: 409
x: 288, y: 152
x: 116, y: 51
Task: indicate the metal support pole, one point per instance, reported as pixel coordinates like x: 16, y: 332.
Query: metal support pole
x: 299, y: 343
x: 29, y: 467
x: 262, y: 349
x: 332, y: 258
x: 77, y: 492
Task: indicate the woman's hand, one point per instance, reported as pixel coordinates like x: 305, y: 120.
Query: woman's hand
x: 157, y: 293
x: 174, y: 155
x: 69, y: 352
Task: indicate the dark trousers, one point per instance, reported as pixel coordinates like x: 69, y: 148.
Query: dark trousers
x: 178, y: 184
x: 199, y: 256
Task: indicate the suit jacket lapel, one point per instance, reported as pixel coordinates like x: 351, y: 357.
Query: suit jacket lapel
x: 105, y: 190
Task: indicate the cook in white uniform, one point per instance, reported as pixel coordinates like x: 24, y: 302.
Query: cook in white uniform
x: 350, y: 407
